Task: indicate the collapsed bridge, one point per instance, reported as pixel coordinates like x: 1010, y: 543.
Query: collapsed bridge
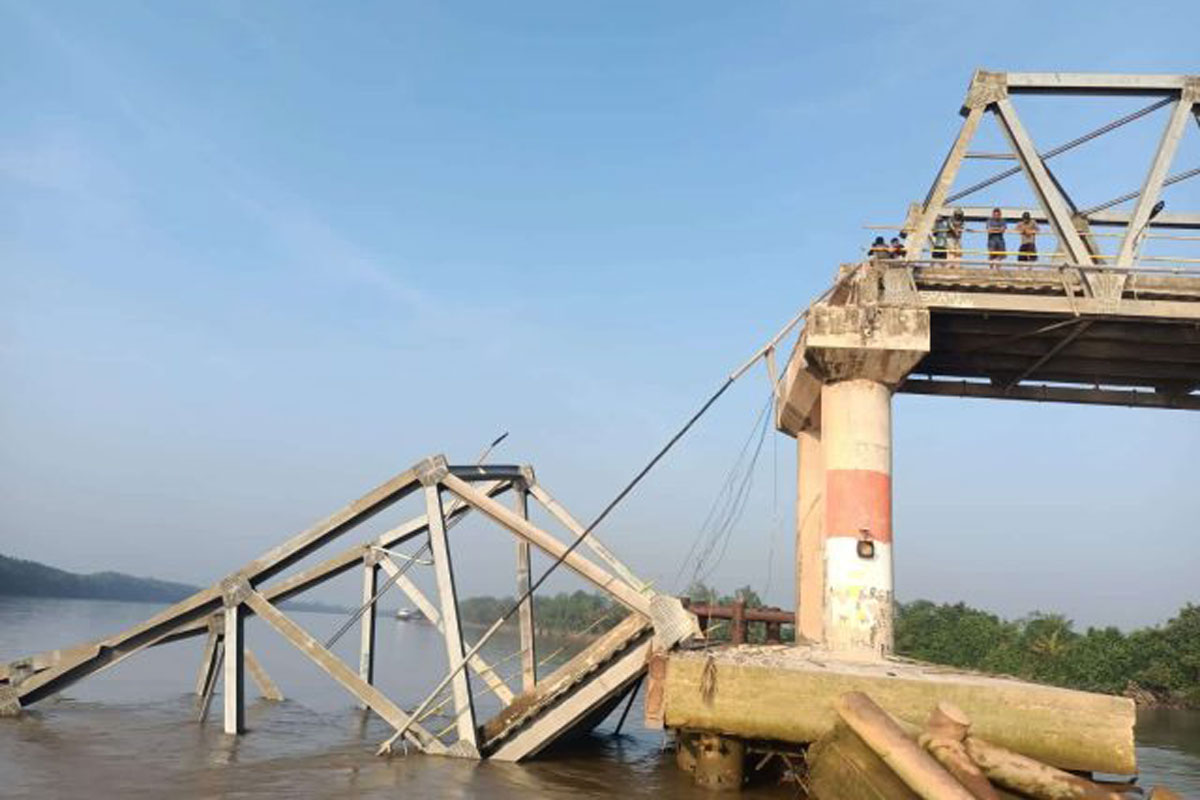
x: 576, y: 695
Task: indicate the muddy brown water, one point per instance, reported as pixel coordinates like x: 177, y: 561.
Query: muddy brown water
x: 129, y: 732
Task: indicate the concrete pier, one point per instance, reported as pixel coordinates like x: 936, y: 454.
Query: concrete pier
x: 857, y: 435
x: 854, y: 356
x: 810, y: 536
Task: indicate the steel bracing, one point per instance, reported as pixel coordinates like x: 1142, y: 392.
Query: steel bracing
x: 991, y: 92
x: 545, y: 707
x: 1076, y: 325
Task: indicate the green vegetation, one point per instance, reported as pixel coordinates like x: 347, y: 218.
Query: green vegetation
x: 1159, y: 664
x: 580, y: 612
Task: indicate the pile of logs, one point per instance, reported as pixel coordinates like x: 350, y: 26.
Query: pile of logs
x: 871, y: 755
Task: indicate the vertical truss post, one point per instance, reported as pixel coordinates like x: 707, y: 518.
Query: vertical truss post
x: 209, y: 659
x: 205, y: 701
x: 366, y: 653
x: 1044, y: 188
x: 1152, y: 188
x: 525, y: 612
x: 235, y: 661
x: 430, y: 474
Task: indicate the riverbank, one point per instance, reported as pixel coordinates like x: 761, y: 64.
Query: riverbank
x: 24, y: 578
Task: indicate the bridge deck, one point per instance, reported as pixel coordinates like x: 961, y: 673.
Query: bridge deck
x: 1047, y: 332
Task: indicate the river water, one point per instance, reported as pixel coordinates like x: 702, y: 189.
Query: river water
x: 129, y: 732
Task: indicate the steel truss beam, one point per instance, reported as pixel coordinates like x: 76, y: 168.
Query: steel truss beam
x: 221, y: 610
x: 991, y: 92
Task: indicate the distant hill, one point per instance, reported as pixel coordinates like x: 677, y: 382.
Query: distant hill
x: 32, y: 579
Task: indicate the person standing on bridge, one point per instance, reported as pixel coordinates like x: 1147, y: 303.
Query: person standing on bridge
x: 941, y: 230
x: 995, y: 233
x: 879, y: 249
x: 1029, y: 231
x: 954, y: 234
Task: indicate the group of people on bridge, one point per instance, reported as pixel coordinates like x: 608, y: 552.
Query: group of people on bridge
x: 948, y: 237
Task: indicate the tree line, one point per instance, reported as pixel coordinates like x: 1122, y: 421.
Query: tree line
x: 1158, y: 664
x: 1155, y: 665
x: 577, y: 612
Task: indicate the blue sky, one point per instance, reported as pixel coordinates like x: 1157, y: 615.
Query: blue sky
x: 256, y: 257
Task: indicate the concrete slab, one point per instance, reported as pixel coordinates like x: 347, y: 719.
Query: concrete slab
x: 786, y: 694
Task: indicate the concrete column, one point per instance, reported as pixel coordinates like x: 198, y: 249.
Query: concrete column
x: 810, y: 515
x: 856, y: 418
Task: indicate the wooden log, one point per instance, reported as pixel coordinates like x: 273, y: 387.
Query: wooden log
x: 943, y: 738
x: 1033, y: 778
x: 952, y: 755
x: 948, y: 721
x: 919, y: 771
x: 841, y: 766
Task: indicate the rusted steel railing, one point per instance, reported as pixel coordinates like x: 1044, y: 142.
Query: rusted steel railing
x: 741, y: 617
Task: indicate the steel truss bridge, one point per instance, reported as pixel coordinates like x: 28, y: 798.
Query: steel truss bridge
x: 1083, y: 325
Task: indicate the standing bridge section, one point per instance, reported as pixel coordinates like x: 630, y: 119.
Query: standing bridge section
x: 1083, y: 323
x: 1091, y: 319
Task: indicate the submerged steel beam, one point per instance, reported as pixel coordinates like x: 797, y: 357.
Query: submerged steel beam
x: 336, y: 669
x: 481, y: 667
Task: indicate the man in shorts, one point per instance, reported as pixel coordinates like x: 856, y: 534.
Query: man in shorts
x: 995, y: 233
x: 940, y: 230
x: 1028, y: 230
